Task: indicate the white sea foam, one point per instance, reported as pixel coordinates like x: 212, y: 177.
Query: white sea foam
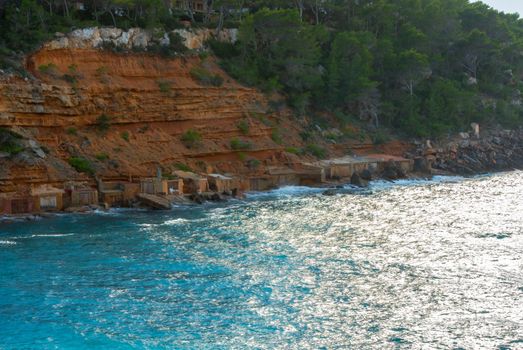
x: 44, y: 235
x: 7, y: 242
x: 285, y: 191
x: 53, y: 235
x: 384, y: 184
x: 175, y: 221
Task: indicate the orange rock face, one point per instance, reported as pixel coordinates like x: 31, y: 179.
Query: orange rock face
x: 148, y: 104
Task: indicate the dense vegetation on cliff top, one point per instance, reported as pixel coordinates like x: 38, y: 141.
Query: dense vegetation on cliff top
x: 426, y: 67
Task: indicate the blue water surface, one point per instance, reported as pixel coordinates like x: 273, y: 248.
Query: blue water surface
x: 432, y: 265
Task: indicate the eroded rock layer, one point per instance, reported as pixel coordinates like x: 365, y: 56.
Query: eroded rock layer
x: 127, y: 114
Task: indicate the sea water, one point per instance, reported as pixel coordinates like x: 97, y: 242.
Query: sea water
x: 411, y: 265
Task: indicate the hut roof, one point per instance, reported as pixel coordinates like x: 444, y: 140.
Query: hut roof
x: 220, y: 177
x: 46, y: 190
x: 188, y: 175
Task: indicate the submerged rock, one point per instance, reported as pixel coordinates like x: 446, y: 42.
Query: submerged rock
x: 330, y: 192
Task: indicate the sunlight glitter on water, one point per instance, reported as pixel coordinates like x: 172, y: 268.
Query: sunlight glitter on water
x: 416, y: 264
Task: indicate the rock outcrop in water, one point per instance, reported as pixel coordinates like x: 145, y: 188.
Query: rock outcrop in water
x: 496, y: 151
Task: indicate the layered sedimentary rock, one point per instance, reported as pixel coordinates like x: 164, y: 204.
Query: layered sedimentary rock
x: 127, y: 114
x: 121, y: 114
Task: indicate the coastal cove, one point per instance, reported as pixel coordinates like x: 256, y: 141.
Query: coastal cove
x: 392, y: 265
x: 263, y: 174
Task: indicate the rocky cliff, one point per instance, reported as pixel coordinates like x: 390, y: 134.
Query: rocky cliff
x: 98, y: 103
x: 127, y: 114
x: 137, y: 38
x: 495, y: 150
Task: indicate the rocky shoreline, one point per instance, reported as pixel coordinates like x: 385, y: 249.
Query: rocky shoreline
x: 358, y: 182
x: 498, y: 150
x: 464, y: 155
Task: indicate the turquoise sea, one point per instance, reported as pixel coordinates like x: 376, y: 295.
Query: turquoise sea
x: 411, y: 265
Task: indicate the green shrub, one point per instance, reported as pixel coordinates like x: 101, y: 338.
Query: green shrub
x: 11, y: 148
x: 276, y: 105
x: 379, y: 138
x: 125, y: 135
x: 223, y: 49
x: 294, y: 150
x: 362, y: 136
x: 6, y: 133
x: 103, y: 122
x: 263, y: 119
x: 253, y: 163
x: 73, y: 68
x: 243, y: 126
x: 342, y: 117
x: 102, y: 156
x: 316, y: 151
x: 71, y: 79
x: 102, y: 70
x: 204, y: 77
x: 276, y: 137
x: 176, y: 44
x: 49, y: 69
x: 103, y: 74
x: 242, y: 156
x: 191, y: 138
x: 71, y: 131
x: 237, y: 144
x: 164, y: 86
x: 81, y: 165
x: 182, y: 167
x: 72, y: 76
x: 306, y: 135
x: 9, y: 142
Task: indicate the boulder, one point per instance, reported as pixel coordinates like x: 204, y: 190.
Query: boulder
x: 141, y: 39
x: 356, y: 180
x: 36, y: 149
x: 390, y: 173
x: 422, y: 165
x: 464, y: 135
x: 110, y: 33
x: 366, y: 175
x: 197, y: 198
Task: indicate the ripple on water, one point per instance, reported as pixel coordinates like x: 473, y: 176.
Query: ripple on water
x: 413, y: 264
